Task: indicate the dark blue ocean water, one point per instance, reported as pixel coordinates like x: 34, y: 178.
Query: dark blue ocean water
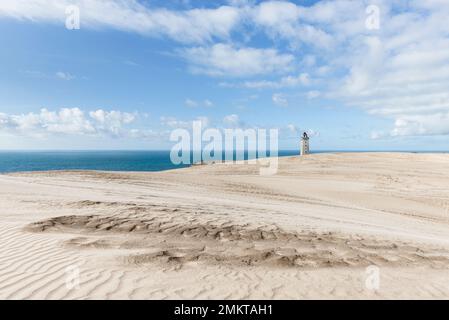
x: 12, y: 161
x: 90, y: 160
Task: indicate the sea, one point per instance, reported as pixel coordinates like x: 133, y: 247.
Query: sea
x: 24, y: 161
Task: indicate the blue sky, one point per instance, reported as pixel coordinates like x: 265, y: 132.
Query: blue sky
x: 135, y: 70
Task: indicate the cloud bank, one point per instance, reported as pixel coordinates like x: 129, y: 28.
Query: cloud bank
x: 399, y: 71
x: 71, y: 121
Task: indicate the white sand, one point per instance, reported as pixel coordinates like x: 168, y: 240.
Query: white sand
x: 222, y: 231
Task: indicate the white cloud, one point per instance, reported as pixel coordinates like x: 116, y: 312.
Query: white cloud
x: 280, y: 19
x: 375, y: 135
x: 174, y: 123
x: 293, y: 131
x: 232, y: 120
x: 131, y: 63
x: 431, y: 124
x: 292, y: 128
x: 194, y: 104
x: 279, y: 99
x: 400, y: 71
x: 227, y: 60
x: 313, y: 94
x: 190, y: 26
x: 64, y: 76
x: 67, y: 121
x: 61, y: 75
x: 146, y: 134
x: 208, y: 103
x: 275, y: 13
x: 284, y: 20
x: 302, y: 79
x: 190, y: 103
x: 111, y: 122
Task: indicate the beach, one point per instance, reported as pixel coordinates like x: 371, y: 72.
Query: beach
x: 222, y: 231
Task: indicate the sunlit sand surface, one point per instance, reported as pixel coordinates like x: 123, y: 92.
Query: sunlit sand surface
x: 224, y: 232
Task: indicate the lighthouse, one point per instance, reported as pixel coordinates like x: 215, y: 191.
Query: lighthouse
x: 305, y: 144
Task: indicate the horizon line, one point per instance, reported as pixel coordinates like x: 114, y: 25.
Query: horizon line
x: 224, y: 150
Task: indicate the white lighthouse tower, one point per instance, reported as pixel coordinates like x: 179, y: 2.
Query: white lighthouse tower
x: 305, y: 148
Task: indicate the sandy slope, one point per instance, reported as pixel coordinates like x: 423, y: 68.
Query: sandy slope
x: 223, y: 231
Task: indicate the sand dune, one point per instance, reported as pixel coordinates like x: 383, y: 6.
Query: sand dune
x: 222, y: 231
